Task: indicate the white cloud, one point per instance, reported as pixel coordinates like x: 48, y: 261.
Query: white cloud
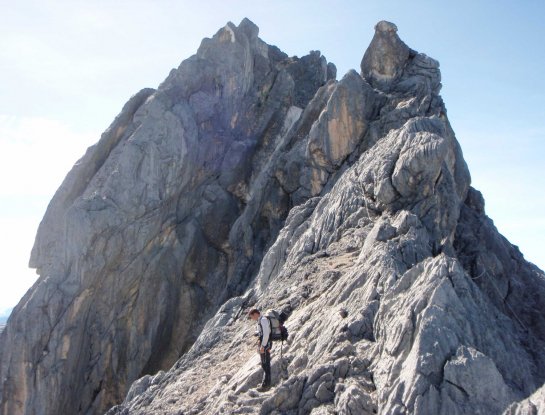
x: 15, y: 245
x: 36, y: 154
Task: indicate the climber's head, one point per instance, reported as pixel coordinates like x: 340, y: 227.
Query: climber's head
x: 254, y: 314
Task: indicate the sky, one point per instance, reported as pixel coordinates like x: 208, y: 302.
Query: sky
x: 67, y: 68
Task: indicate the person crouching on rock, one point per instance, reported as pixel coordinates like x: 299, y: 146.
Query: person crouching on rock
x: 264, y: 345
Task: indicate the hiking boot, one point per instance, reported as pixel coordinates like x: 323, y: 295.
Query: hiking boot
x: 264, y: 388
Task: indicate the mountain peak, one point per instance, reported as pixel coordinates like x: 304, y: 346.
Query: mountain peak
x: 251, y: 29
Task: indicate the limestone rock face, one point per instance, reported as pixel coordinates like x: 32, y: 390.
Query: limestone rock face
x: 252, y: 179
x: 160, y: 222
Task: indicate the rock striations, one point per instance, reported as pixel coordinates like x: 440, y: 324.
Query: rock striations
x: 249, y: 178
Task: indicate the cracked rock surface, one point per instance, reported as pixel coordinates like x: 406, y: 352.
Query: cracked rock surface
x: 252, y: 179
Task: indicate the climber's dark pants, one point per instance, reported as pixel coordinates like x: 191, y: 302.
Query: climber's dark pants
x: 266, y: 366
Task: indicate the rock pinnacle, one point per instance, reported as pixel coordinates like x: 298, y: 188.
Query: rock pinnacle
x: 385, y: 58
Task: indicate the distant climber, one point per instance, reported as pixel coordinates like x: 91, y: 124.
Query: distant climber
x: 264, y: 346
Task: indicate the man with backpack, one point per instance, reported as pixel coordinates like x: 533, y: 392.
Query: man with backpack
x: 264, y: 345
x: 270, y: 327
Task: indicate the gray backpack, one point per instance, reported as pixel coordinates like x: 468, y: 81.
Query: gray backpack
x: 277, y: 319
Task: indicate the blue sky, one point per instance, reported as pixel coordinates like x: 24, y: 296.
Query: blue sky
x: 67, y: 67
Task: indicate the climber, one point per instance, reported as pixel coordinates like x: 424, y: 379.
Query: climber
x: 264, y: 345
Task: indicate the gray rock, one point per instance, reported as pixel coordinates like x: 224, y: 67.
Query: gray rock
x: 386, y: 56
x: 533, y: 405
x: 251, y: 179
x: 164, y: 219
x: 343, y: 123
x: 473, y: 377
x: 353, y: 400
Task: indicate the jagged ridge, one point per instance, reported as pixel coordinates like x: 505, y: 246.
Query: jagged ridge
x: 404, y: 296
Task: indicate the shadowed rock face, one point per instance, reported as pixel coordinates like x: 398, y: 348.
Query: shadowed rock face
x: 249, y: 178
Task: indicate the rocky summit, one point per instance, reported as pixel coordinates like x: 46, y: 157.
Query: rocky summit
x: 253, y: 179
